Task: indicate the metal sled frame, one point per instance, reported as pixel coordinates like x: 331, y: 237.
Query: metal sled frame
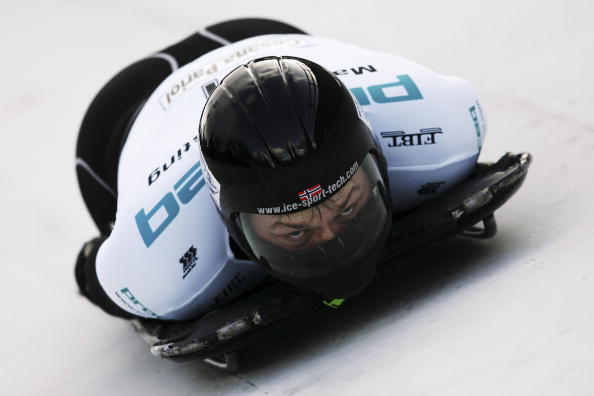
x: 458, y: 211
x: 216, y: 336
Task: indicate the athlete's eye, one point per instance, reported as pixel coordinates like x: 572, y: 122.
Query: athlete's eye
x: 347, y: 211
x: 296, y: 234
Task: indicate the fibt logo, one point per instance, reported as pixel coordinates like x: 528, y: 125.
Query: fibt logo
x: 402, y: 139
x: 169, y: 206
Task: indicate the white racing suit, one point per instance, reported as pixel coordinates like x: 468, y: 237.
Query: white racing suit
x: 169, y: 256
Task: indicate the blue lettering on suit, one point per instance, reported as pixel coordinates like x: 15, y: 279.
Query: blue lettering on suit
x: 185, y: 189
x: 378, y: 95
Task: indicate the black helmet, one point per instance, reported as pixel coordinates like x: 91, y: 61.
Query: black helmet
x: 298, y: 176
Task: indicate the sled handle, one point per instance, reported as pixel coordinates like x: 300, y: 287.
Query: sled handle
x: 488, y: 230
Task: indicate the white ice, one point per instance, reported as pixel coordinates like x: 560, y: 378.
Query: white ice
x: 510, y: 316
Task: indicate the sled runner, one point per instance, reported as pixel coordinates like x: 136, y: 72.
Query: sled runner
x: 215, y: 337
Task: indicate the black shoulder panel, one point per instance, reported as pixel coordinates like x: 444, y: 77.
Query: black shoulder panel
x: 104, y: 129
x: 239, y: 29
x: 191, y: 48
x: 109, y: 117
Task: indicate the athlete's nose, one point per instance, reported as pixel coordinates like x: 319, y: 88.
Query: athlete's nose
x: 326, y: 233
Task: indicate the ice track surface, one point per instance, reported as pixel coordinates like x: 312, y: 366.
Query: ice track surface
x: 509, y: 316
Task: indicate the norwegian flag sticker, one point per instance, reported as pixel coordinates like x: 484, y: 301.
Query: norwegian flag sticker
x: 310, y: 192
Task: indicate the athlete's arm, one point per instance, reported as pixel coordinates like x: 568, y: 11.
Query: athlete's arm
x: 88, y: 284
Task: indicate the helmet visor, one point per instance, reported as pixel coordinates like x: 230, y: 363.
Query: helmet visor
x: 326, y: 239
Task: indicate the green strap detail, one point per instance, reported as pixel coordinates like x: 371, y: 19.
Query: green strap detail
x: 336, y: 303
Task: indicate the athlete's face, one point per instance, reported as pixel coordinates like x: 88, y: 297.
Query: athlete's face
x: 318, y: 225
